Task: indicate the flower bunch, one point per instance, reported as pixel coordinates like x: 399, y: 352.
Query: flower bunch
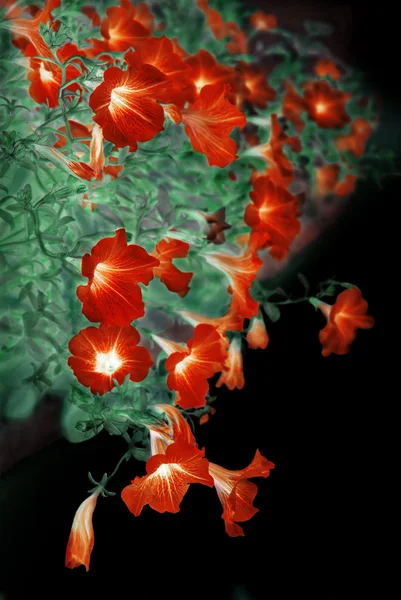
x: 175, y: 146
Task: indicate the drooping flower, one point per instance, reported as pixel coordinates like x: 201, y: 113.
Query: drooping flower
x: 102, y: 354
x: 273, y: 212
x: 190, y: 368
x: 293, y: 106
x: 78, y: 130
x: 252, y: 85
x: 222, y: 29
x: 205, y: 70
x: 231, y: 321
x: 209, y: 122
x: 236, y: 493
x: 114, y: 270
x: 241, y: 271
x: 238, y: 43
x: 261, y: 21
x: 216, y: 225
x: 344, y: 318
x: 126, y: 103
x: 175, y: 280
x: 257, y: 336
x: 234, y: 376
x: 279, y: 168
x: 355, y: 142
x: 46, y: 77
x: 325, y: 66
x: 168, y: 478
x: 82, y: 538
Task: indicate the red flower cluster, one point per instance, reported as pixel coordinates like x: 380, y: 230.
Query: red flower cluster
x: 176, y: 462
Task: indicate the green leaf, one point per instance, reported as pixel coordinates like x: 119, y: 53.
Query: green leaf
x: 30, y: 319
x: 7, y: 218
x: 71, y: 416
x: 65, y: 220
x: 272, y: 311
x: 3, y: 262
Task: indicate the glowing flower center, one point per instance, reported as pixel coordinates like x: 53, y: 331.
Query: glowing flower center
x: 200, y: 83
x: 163, y: 471
x: 45, y: 75
x: 118, y: 98
x: 107, y: 363
x: 321, y: 108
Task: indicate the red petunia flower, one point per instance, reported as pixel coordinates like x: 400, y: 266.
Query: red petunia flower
x: 72, y: 167
x: 236, y: 493
x: 326, y: 105
x: 238, y: 43
x: 45, y: 77
x: 241, y: 271
x: 82, y: 539
x: 114, y: 270
x: 159, y: 52
x: 280, y: 169
x: 189, y: 368
x: 325, y: 67
x: 231, y: 321
x: 174, y: 279
x: 274, y: 211
x: 107, y: 353
x: 205, y: 70
x: 293, y: 106
x: 209, y: 122
x: 344, y: 318
x: 125, y: 26
x: 168, y: 478
x: 327, y: 182
x: 97, y: 151
x: 92, y: 14
x: 125, y: 103
x: 29, y: 29
x: 234, y: 376
x: 261, y: 21
x: 252, y: 85
x: 355, y: 141
x: 257, y: 336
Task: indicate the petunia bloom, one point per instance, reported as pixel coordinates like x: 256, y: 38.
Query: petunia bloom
x: 355, y: 142
x: 325, y: 66
x: 274, y: 213
x: 126, y: 103
x: 241, y: 271
x: 97, y: 151
x: 257, y: 336
x: 327, y: 181
x: 261, y: 21
x: 72, y: 167
x: 230, y: 321
x: 178, y: 430
x: 168, y: 478
x: 46, y: 78
x: 29, y: 29
x: 326, y: 105
x: 252, y: 85
x: 114, y: 270
x: 344, y: 318
x: 102, y: 354
x: 234, y: 376
x: 209, y: 122
x: 175, y: 280
x: 190, y: 367
x: 205, y: 70
x: 124, y: 26
x: 82, y: 538
x: 236, y: 493
x: 279, y: 168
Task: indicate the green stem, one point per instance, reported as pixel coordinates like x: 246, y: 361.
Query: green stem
x: 118, y: 465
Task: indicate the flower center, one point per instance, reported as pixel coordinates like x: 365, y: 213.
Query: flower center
x: 45, y: 75
x: 107, y: 363
x: 321, y: 108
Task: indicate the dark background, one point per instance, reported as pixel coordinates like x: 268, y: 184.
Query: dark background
x: 318, y: 419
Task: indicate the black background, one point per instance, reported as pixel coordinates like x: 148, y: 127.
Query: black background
x: 318, y: 419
